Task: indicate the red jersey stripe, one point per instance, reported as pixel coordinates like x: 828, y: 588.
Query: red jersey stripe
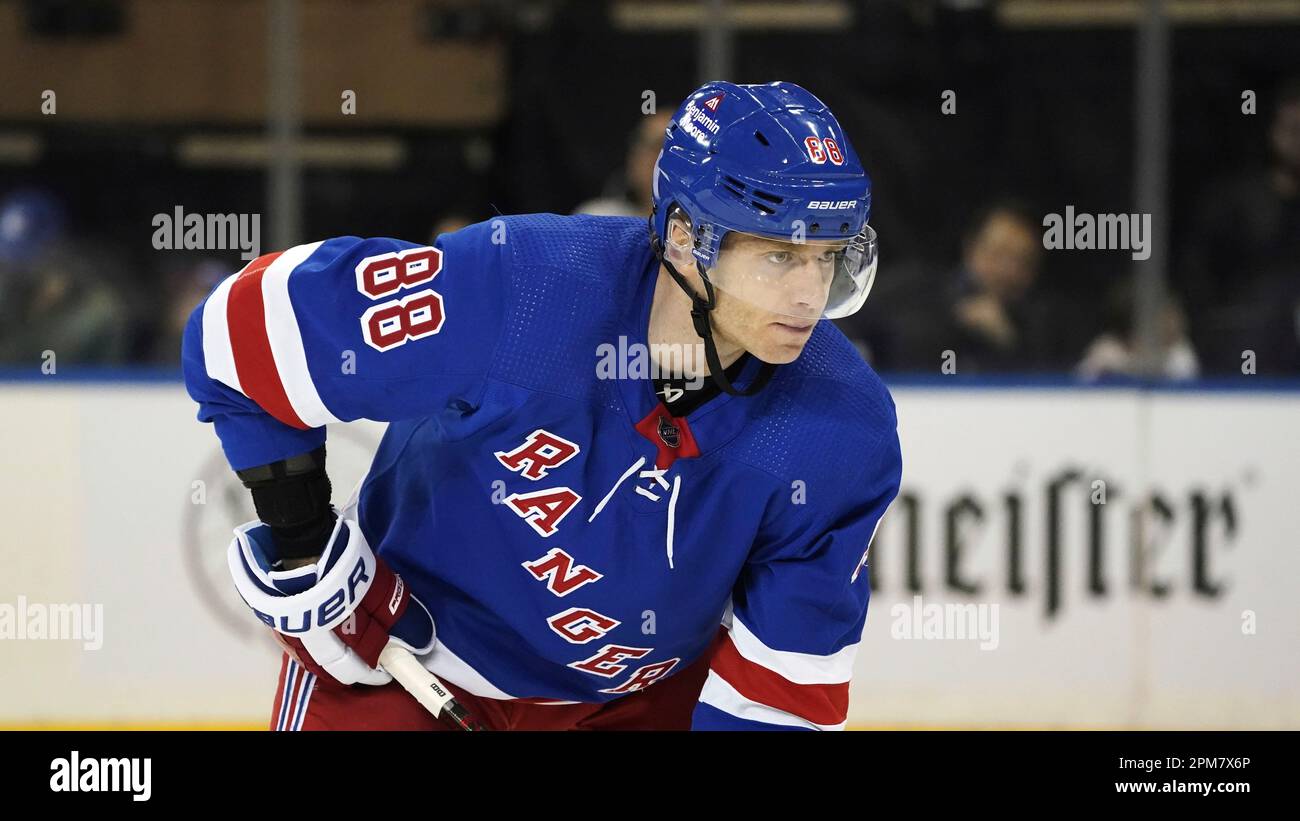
x: 251, y: 347
x: 826, y: 704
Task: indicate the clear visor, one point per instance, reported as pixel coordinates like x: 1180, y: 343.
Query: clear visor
x: 803, y: 280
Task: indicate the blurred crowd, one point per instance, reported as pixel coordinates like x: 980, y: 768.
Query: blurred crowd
x: 1231, y: 302
x: 999, y: 306
x: 82, y: 298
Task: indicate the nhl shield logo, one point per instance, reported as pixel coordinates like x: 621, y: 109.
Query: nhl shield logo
x: 669, y: 433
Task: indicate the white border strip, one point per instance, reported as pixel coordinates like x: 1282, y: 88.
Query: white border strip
x: 718, y: 693
x: 799, y: 668
x: 218, y: 358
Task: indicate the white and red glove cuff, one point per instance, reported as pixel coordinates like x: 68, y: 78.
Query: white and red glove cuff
x: 339, y: 611
x: 317, y: 596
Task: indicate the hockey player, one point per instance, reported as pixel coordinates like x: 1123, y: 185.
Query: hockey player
x: 597, y: 550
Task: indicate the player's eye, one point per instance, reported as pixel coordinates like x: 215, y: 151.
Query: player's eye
x: 778, y: 257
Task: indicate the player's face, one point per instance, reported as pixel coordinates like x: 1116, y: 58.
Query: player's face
x: 771, y: 294
x: 777, y: 340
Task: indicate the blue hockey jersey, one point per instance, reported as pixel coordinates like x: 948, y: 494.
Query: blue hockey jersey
x: 572, y: 541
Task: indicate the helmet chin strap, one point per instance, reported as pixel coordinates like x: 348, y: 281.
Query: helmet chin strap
x: 700, y: 308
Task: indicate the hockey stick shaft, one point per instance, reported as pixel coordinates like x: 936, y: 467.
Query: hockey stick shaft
x: 425, y: 687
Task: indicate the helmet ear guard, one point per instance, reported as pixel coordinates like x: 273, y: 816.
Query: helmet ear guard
x: 679, y: 243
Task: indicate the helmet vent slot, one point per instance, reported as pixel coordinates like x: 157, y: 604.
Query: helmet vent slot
x: 758, y: 135
x: 769, y: 197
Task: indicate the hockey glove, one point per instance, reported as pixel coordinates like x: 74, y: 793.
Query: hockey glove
x: 334, y: 616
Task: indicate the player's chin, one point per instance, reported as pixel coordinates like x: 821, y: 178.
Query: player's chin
x: 783, y: 341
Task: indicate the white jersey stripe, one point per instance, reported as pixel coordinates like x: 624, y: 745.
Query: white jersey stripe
x: 718, y: 693
x: 286, y: 698
x: 451, y: 668
x: 286, y: 340
x: 799, y: 668
x: 303, y: 701
x: 218, y: 358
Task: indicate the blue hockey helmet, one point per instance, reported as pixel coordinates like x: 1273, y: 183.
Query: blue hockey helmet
x: 770, y: 162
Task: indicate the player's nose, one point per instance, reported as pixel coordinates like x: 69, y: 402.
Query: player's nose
x: 807, y: 287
